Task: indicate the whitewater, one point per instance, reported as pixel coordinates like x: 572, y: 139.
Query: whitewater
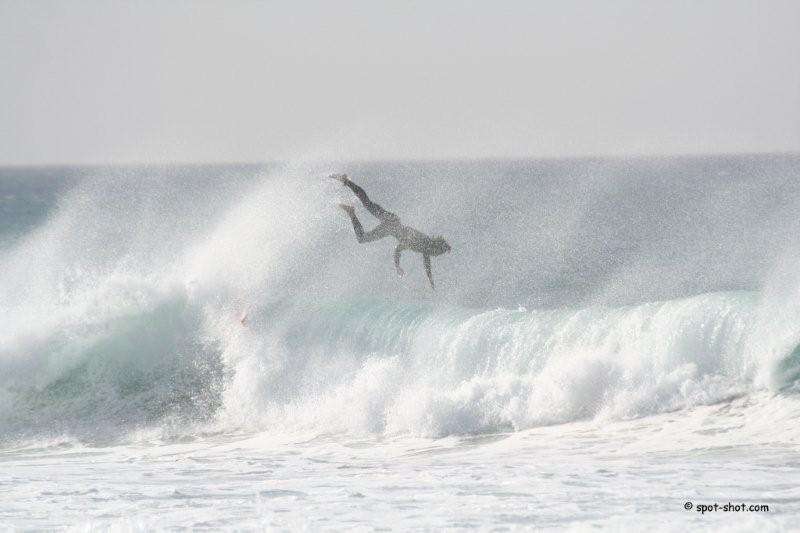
x: 613, y: 343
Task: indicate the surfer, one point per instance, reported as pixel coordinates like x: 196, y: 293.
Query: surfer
x: 407, y: 238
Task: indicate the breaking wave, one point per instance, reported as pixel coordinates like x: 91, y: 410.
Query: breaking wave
x: 116, y: 324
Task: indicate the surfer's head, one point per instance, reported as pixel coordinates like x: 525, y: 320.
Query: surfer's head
x: 438, y: 246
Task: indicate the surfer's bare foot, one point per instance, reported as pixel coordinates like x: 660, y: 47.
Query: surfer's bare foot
x: 347, y: 208
x: 341, y: 178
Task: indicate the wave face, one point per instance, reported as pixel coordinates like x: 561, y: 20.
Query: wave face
x: 436, y: 370
x: 576, y: 290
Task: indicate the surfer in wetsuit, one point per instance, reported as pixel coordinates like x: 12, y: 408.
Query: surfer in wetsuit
x: 407, y: 238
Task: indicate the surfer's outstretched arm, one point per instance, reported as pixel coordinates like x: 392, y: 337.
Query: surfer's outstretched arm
x: 397, y: 251
x: 426, y: 260
x: 376, y: 210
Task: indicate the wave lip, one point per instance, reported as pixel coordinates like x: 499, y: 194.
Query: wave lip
x: 144, y: 362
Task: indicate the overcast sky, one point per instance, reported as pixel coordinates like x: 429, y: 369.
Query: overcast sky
x: 178, y: 81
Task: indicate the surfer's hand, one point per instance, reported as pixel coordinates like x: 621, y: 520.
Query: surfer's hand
x: 400, y: 272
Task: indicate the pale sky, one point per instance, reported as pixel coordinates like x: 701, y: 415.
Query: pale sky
x: 182, y: 81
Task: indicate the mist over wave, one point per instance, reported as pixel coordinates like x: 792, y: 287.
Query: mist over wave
x: 588, y: 289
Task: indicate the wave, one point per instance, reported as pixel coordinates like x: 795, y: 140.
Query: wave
x: 436, y: 370
x: 117, y: 325
x: 96, y: 370
x: 171, y: 361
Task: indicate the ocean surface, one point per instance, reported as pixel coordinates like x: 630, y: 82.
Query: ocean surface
x: 613, y: 343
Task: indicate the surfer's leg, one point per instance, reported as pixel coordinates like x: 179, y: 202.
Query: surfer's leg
x: 374, y: 209
x: 379, y: 232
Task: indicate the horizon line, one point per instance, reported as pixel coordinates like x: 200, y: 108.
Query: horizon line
x: 436, y: 159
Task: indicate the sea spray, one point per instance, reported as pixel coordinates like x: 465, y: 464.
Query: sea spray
x: 594, y: 290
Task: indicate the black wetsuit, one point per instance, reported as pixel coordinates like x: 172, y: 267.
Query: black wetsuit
x: 408, y: 238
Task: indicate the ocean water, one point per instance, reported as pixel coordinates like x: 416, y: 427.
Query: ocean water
x: 613, y: 343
